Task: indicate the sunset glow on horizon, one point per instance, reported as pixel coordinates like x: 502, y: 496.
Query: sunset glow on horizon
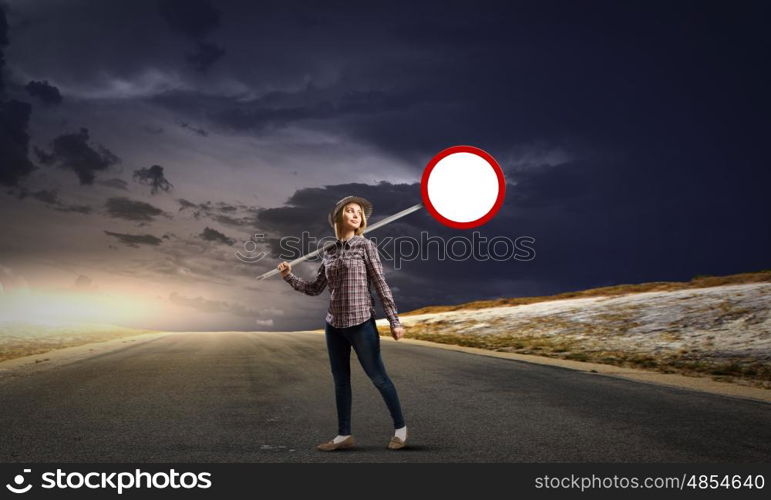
x: 61, y: 308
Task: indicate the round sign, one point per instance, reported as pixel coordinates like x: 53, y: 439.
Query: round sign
x: 463, y: 187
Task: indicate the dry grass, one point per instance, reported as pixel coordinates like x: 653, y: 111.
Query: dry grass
x: 19, y: 341
x: 701, y: 281
x: 612, y: 336
x: 743, y: 371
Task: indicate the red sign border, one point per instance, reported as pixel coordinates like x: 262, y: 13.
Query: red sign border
x: 463, y: 149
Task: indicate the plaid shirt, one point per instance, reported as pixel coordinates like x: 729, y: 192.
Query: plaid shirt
x: 349, y: 268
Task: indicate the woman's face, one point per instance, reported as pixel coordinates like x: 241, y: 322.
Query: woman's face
x: 351, y: 216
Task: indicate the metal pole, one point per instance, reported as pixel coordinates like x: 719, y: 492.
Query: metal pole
x: 378, y: 224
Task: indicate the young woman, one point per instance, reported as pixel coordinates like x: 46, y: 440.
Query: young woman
x: 349, y: 268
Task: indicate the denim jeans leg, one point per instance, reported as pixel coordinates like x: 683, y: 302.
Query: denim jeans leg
x: 366, y: 343
x: 339, y: 350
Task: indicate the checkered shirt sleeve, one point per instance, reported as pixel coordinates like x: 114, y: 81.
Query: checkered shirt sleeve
x: 377, y: 278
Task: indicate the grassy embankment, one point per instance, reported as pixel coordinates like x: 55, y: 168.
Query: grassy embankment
x: 26, y: 340
x: 694, y: 362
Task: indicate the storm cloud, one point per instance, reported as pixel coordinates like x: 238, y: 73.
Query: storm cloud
x: 47, y: 93
x: 3, y: 44
x: 14, y: 142
x: 210, y: 234
x: 195, y: 19
x: 114, y: 183
x: 14, y: 122
x: 51, y: 198
x: 73, y: 152
x: 134, y: 240
x: 133, y: 210
x: 153, y: 177
x: 236, y: 215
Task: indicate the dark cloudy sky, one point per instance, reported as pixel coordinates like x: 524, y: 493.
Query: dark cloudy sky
x: 144, y: 142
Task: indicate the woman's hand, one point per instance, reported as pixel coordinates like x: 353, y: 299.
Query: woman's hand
x: 397, y: 332
x: 285, y: 268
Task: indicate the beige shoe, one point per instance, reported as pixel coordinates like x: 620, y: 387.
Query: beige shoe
x: 332, y: 446
x: 396, y: 444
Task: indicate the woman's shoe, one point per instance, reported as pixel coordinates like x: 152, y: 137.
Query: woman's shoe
x: 332, y: 446
x: 396, y: 444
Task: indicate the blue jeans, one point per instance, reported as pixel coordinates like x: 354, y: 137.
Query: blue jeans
x: 366, y: 342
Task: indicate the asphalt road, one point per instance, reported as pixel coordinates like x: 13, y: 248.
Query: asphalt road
x: 268, y: 397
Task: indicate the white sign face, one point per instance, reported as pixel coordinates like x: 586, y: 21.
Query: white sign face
x: 463, y: 187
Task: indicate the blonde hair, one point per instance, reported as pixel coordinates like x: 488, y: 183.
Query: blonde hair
x: 339, y: 220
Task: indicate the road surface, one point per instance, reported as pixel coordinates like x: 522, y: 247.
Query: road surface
x: 268, y: 397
